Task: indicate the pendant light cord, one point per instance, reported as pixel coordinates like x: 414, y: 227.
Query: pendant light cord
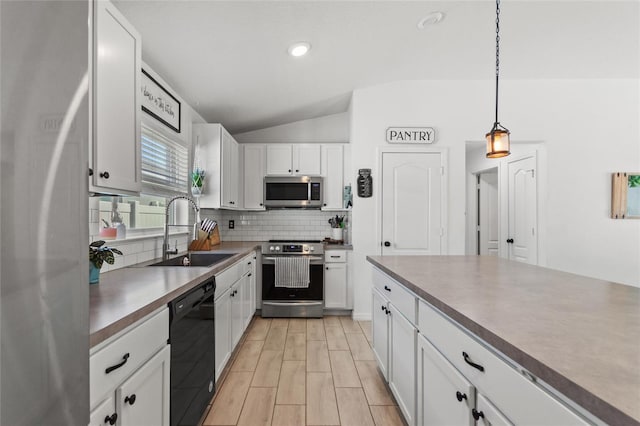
x: 497, y: 54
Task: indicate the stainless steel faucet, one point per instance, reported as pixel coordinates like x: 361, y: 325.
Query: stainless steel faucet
x: 166, y: 251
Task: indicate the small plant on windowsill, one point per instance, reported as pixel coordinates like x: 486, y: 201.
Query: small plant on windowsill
x: 97, y: 256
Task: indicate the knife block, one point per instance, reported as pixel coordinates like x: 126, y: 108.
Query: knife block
x: 214, y: 237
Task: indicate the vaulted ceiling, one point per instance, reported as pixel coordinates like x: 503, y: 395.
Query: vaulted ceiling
x: 229, y: 60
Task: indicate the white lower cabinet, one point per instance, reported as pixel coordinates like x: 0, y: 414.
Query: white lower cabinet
x: 234, y: 307
x: 380, y: 331
x: 129, y: 375
x: 223, y: 330
x: 336, y: 284
x: 105, y: 413
x: 394, y: 345
x: 237, y: 317
x: 143, y: 399
x: 402, y: 362
x: 488, y: 415
x: 445, y: 397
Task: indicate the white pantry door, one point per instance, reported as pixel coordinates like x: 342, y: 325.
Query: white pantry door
x: 411, y: 203
x: 488, y: 213
x: 522, y: 236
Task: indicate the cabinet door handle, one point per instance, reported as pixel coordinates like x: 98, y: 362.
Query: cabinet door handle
x: 289, y: 170
x: 335, y: 257
x: 104, y: 175
x: 90, y: 171
x: 460, y: 396
x: 387, y: 288
x: 111, y: 419
x: 471, y: 363
x: 387, y: 244
x: 130, y: 399
x: 510, y: 240
x: 477, y: 414
x: 125, y: 357
x: 297, y: 170
x: 249, y: 274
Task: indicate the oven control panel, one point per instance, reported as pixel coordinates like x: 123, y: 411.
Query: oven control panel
x: 292, y: 249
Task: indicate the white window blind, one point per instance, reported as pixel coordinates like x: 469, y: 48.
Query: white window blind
x: 165, y: 164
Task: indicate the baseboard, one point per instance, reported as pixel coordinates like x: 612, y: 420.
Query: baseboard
x: 361, y: 316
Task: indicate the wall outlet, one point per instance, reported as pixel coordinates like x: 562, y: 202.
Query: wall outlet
x: 232, y: 224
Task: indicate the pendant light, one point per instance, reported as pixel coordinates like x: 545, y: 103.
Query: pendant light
x: 498, y: 137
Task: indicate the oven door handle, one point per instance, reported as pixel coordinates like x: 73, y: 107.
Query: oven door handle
x: 310, y: 258
x: 266, y: 302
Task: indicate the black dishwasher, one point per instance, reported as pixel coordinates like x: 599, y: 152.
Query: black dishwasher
x: 192, y: 339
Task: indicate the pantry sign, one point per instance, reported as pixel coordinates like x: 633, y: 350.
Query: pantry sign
x: 412, y: 135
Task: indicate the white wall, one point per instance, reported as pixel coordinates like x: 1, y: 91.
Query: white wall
x: 590, y: 128
x: 330, y: 128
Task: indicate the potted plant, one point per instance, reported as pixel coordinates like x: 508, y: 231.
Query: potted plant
x: 97, y: 256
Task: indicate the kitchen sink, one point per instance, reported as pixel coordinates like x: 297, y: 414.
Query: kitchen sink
x: 195, y: 259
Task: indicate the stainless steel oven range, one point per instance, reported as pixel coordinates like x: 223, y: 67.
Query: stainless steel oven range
x: 292, y: 279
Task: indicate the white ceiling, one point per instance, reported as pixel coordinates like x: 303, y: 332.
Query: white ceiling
x: 228, y: 59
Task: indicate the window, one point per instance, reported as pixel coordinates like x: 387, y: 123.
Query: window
x: 165, y: 164
x: 143, y: 212
x: 164, y: 175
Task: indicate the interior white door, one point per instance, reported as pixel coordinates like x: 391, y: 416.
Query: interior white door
x: 523, y: 218
x: 488, y: 208
x: 411, y: 203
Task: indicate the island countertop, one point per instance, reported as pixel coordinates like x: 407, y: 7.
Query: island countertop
x: 580, y: 335
x: 126, y: 295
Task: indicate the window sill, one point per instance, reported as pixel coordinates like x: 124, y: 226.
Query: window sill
x: 140, y: 236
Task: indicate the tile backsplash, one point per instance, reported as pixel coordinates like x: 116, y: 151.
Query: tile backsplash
x: 275, y: 224
x: 249, y: 226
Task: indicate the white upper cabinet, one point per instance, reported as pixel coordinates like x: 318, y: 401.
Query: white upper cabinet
x: 279, y: 159
x: 333, y: 174
x: 254, y: 170
x: 306, y: 160
x: 115, y: 149
x: 220, y: 158
x: 293, y: 160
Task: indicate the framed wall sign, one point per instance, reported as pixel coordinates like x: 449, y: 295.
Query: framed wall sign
x: 159, y: 103
x: 625, y: 195
x: 411, y: 135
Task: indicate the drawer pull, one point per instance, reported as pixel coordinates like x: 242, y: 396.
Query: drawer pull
x: 111, y: 419
x: 477, y: 414
x: 130, y: 399
x: 387, y: 288
x: 460, y: 396
x: 125, y: 357
x: 335, y: 257
x: 471, y: 363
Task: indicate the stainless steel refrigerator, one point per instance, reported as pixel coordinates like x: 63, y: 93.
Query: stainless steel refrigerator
x: 44, y: 290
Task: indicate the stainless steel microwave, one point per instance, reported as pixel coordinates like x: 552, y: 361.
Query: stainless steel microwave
x: 293, y: 192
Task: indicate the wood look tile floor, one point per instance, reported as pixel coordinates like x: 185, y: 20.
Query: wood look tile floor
x: 304, y: 372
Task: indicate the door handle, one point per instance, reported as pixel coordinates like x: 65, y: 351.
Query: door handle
x: 125, y: 357
x: 477, y: 414
x: 471, y: 363
x: 387, y: 244
x: 510, y: 240
x: 460, y: 396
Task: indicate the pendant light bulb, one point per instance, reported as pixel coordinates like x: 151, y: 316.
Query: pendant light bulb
x: 498, y: 143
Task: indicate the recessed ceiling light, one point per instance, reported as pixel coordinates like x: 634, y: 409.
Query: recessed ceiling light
x: 431, y: 19
x: 299, y: 49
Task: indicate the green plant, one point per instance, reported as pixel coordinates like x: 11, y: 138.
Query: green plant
x: 99, y: 254
x: 634, y: 181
